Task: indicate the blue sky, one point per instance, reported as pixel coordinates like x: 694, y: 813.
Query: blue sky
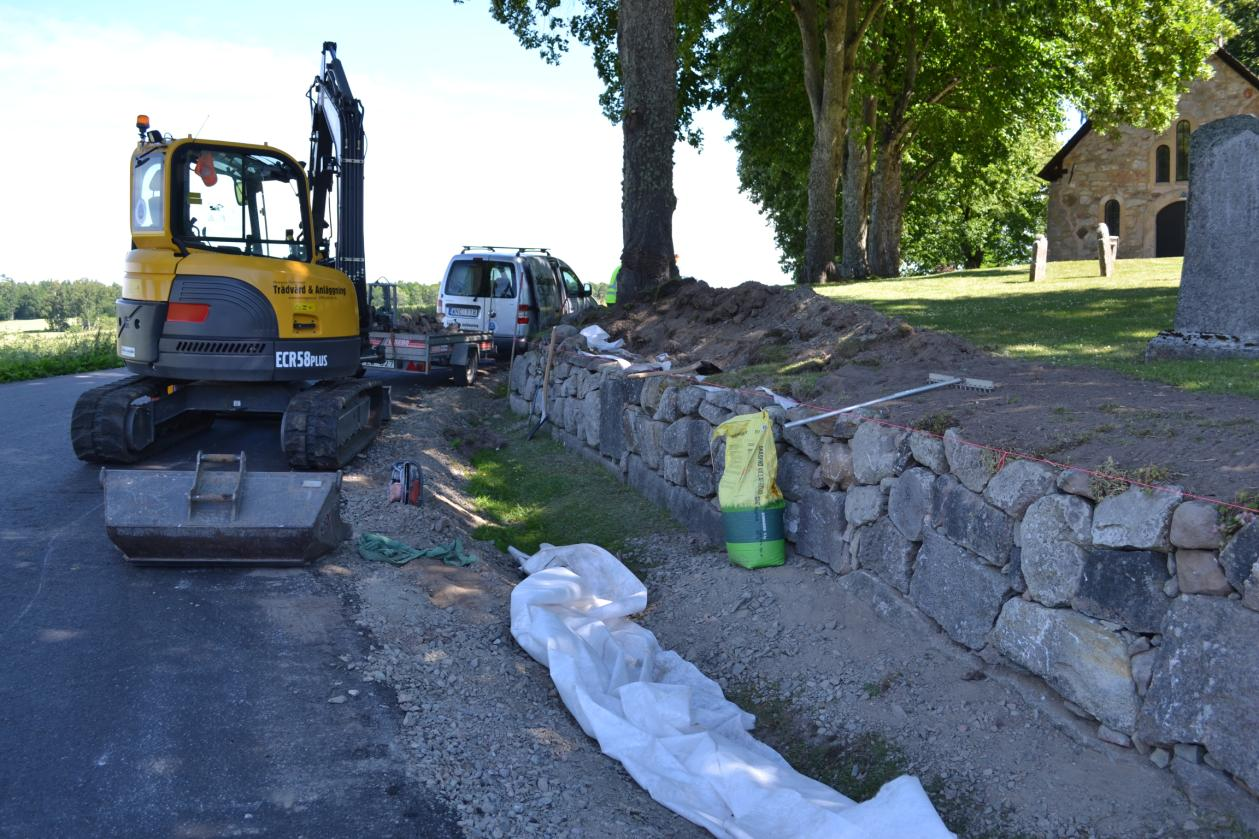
x: 470, y: 137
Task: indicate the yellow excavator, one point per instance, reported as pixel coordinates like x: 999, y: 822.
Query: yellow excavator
x: 235, y: 301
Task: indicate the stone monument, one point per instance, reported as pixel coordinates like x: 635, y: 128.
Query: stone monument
x: 1040, y: 253
x: 1217, y: 313
x: 1107, y: 246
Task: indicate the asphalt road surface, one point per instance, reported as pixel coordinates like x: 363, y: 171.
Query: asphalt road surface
x: 174, y: 702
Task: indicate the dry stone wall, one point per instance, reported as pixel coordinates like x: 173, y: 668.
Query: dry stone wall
x: 1140, y: 609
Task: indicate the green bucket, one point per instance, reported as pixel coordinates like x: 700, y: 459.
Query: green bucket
x: 754, y: 538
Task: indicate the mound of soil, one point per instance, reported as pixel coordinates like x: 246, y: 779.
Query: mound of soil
x: 1206, y: 443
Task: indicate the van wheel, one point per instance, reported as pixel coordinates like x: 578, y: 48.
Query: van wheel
x: 465, y: 374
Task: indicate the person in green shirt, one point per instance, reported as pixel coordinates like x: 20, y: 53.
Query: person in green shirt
x: 610, y: 298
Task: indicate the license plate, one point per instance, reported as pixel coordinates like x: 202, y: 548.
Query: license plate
x: 463, y: 311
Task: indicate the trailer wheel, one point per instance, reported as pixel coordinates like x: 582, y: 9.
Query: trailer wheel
x: 465, y: 374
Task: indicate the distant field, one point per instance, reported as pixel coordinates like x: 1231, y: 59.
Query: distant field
x: 36, y: 325
x: 1074, y: 317
x: 32, y: 355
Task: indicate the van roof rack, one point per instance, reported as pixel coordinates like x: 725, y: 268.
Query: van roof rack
x: 496, y: 248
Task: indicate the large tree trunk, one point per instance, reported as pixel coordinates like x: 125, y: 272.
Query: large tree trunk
x: 887, y: 212
x: 856, y: 194
x: 819, y: 231
x: 647, y: 48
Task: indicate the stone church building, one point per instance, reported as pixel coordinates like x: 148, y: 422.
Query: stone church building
x: 1137, y: 181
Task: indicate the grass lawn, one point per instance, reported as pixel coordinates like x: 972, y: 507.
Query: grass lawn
x: 537, y: 491
x: 1073, y: 317
x: 32, y: 355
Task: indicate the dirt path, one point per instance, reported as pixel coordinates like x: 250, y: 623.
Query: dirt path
x: 484, y: 727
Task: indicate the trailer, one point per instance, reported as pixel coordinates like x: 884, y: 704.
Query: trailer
x: 418, y: 352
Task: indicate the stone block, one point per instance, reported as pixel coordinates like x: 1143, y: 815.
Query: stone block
x: 864, y: 504
x: 1014, y: 571
x: 1075, y: 482
x: 1124, y: 587
x: 519, y: 372
x: 804, y: 441
x: 1054, y: 531
x: 1137, y: 518
x: 714, y: 414
x: 592, y: 418
x: 883, y: 550
x: 973, y: 466
x: 836, y: 465
x: 1040, y: 255
x: 967, y: 520
x: 649, y: 434
x: 795, y: 474
x: 700, y: 479
x: 847, y: 423
x: 518, y: 405
x: 696, y: 514
x: 1142, y: 665
x: 879, y: 452
x: 631, y: 420
x: 722, y: 398
x: 615, y: 397
x: 686, y: 436
x: 928, y: 450
x: 820, y: 532
x: 889, y: 605
x: 1018, y: 484
x: 910, y: 501
x: 1196, y: 524
x: 1241, y: 554
x: 689, y: 399
x: 653, y: 389
x: 1205, y: 682
x: 1079, y: 657
x: 1212, y: 790
x: 667, y: 409
x: 673, y: 469
x: 956, y: 589
x: 1198, y: 572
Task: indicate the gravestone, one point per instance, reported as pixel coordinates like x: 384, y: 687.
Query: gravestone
x: 1106, y: 247
x: 1040, y: 254
x: 1217, y: 313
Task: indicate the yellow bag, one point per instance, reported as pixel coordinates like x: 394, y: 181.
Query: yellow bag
x: 751, y: 505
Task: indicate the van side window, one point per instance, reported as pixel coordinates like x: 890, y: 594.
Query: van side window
x: 503, y: 280
x: 571, y: 284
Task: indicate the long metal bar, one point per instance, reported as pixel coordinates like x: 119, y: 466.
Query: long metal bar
x: 956, y: 380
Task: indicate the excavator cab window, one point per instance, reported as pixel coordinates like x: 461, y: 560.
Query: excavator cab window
x: 146, y: 193
x: 237, y: 201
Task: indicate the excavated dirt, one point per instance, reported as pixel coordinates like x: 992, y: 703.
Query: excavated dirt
x: 1208, y: 443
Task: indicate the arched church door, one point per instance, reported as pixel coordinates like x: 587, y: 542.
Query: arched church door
x: 1169, y: 230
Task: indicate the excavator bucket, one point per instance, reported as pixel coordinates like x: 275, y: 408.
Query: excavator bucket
x: 222, y: 516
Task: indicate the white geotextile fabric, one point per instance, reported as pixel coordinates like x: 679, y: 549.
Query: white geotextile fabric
x: 670, y: 725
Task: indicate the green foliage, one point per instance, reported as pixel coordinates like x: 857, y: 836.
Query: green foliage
x: 984, y: 103
x: 417, y: 297
x: 538, y: 491
x: 1245, y: 44
x: 544, y: 26
x: 1073, y: 317
x: 82, y: 303
x: 35, y: 355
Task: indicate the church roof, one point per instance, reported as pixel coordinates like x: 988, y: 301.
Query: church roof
x: 1053, y: 170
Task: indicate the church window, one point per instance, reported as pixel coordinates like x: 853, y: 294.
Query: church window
x: 1162, y: 164
x: 1182, y: 150
x: 1112, y: 217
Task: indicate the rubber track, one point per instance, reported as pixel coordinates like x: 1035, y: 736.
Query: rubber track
x: 98, y: 424
x: 309, y: 430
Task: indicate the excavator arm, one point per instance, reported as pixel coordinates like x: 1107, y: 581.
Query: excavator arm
x: 337, y: 147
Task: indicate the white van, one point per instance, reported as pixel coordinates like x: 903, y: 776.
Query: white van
x: 512, y: 292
